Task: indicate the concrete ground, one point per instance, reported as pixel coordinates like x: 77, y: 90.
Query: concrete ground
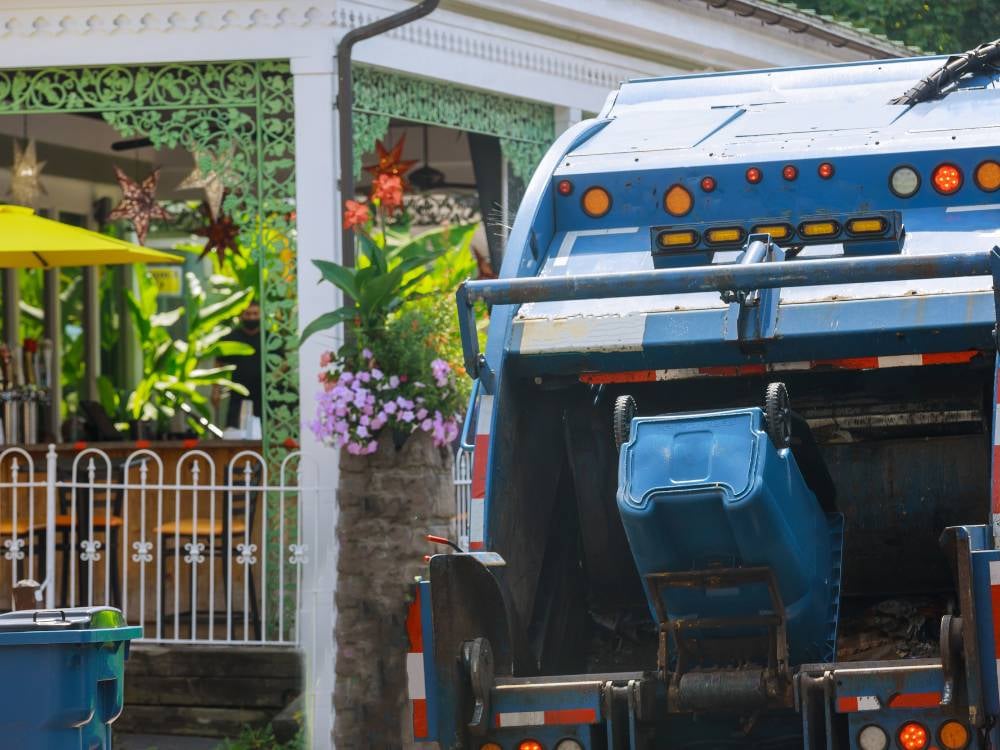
x: 162, y: 742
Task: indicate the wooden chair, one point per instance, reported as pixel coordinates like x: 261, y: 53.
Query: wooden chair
x: 216, y: 535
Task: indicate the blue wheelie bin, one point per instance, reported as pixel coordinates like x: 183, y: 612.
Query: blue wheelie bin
x: 65, y: 677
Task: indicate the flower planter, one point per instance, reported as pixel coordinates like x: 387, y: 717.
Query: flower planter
x: 389, y: 501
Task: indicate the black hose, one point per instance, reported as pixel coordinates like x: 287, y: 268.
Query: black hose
x: 944, y: 80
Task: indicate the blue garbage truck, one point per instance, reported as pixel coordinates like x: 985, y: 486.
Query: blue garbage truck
x: 736, y: 427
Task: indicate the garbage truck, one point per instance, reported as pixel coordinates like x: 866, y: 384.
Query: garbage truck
x: 736, y: 475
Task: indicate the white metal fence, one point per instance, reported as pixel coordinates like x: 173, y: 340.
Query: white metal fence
x: 462, y: 478
x: 213, y: 553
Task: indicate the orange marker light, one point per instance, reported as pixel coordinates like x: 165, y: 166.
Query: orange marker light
x: 912, y: 736
x: 678, y: 201
x: 596, y: 202
x: 530, y: 745
x: 754, y: 175
x: 825, y: 170
x: 490, y: 746
x: 988, y: 176
x: 953, y: 735
x: 947, y: 179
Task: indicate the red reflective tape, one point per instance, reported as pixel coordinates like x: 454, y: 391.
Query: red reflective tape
x: 636, y: 376
x: 189, y: 443
x: 420, y: 729
x: 140, y: 444
x: 851, y: 363
x: 413, y: 627
x: 915, y: 700
x: 80, y: 445
x: 480, y: 460
x: 995, y: 607
x: 730, y: 371
x: 949, y: 358
x: 476, y: 546
x: 847, y: 704
x: 571, y: 716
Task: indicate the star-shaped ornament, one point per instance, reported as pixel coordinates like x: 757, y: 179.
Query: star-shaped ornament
x: 25, y: 186
x: 138, y: 203
x: 221, y: 234
x: 390, y: 161
x: 214, y: 182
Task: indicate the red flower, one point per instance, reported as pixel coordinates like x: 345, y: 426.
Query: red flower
x: 356, y: 213
x: 388, y: 190
x: 30, y: 346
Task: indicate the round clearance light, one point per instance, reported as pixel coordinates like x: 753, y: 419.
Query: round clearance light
x: 904, y: 182
x: 988, y: 176
x: 790, y: 172
x: 530, y: 745
x: 678, y: 201
x: 490, y: 746
x: 754, y: 175
x: 708, y: 184
x: 596, y: 202
x: 953, y: 735
x: 873, y: 738
x: 912, y: 736
x: 569, y: 745
x: 947, y: 179
x: 565, y: 187
x: 825, y: 170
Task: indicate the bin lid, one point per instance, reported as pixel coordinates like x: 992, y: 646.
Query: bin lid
x: 72, y: 624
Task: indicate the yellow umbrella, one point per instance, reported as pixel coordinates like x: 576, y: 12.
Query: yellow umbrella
x: 30, y: 241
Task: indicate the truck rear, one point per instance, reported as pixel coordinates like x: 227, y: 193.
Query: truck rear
x: 735, y: 478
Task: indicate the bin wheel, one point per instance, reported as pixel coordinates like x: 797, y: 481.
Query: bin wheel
x: 622, y: 422
x: 778, y: 415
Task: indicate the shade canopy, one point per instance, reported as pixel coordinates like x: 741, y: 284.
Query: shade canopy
x: 31, y: 241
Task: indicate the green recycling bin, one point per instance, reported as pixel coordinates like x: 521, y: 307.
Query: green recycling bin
x: 65, y: 677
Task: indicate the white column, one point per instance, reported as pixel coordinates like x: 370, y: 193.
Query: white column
x: 317, y: 205
x: 566, y: 117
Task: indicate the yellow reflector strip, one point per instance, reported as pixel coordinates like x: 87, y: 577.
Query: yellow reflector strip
x: 953, y: 735
x: 876, y: 225
x: 988, y: 176
x: 819, y: 228
x: 678, y: 201
x: 684, y: 238
x: 777, y: 231
x: 724, y: 236
x: 596, y: 202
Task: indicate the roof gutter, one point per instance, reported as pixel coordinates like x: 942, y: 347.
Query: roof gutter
x: 345, y: 100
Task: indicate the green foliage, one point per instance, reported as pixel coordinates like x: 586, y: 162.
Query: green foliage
x: 172, y: 370
x: 262, y: 739
x: 945, y: 26
x: 392, y: 269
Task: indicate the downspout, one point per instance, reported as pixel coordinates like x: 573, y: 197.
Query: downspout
x: 345, y: 101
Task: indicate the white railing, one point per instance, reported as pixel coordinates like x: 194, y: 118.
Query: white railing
x: 461, y: 474
x: 208, y: 553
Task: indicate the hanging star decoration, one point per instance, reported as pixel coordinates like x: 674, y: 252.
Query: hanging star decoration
x: 390, y: 161
x: 25, y: 186
x: 138, y: 203
x: 215, y: 181
x: 220, y: 234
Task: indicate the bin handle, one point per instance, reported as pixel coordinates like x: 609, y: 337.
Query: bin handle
x: 37, y: 612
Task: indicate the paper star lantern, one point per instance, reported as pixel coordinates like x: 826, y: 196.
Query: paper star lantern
x: 214, y: 182
x: 138, y: 203
x: 390, y: 161
x: 25, y: 186
x: 220, y: 235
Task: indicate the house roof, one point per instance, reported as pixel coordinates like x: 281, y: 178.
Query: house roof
x: 822, y: 27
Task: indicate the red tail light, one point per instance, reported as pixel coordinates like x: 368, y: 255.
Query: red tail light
x: 790, y: 172
x: 947, y: 179
x: 825, y: 170
x: 708, y: 184
x: 754, y: 175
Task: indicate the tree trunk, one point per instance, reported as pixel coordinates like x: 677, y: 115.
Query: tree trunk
x: 389, y: 502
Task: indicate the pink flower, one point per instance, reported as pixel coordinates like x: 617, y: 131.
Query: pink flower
x: 372, y: 447
x: 356, y: 213
x: 325, y: 359
x: 354, y: 448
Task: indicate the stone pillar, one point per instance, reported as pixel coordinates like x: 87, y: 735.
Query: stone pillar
x: 318, y: 229
x: 389, y: 502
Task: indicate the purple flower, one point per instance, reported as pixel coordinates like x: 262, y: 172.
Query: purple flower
x: 393, y: 381
x: 404, y: 403
x: 406, y: 416
x: 354, y: 448
x: 346, y: 376
x: 365, y: 420
x: 362, y: 431
x: 421, y: 413
x: 366, y: 353
x: 372, y: 447
x: 364, y: 377
x: 441, y: 371
x: 379, y: 420
x: 390, y: 407
x: 377, y: 374
x: 426, y: 424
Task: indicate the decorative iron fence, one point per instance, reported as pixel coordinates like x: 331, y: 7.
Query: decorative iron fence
x: 213, y: 553
x: 462, y: 477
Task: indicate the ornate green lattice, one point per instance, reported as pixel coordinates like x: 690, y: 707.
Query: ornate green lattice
x: 525, y: 129
x: 242, y: 107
